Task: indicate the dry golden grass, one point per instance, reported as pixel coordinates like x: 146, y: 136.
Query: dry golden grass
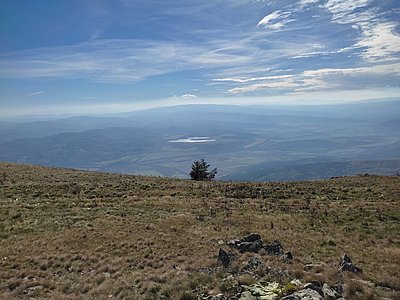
x: 67, y: 234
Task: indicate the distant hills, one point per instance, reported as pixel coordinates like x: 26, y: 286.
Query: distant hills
x: 243, y: 142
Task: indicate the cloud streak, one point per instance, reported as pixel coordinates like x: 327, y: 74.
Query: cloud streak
x: 378, y: 39
x: 35, y: 93
x: 327, y: 79
x: 120, y: 61
x: 275, y: 20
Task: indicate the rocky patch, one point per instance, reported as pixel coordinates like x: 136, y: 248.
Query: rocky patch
x: 254, y: 243
x: 263, y: 289
x: 346, y: 264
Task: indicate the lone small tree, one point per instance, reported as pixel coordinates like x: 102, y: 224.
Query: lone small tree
x: 200, y: 171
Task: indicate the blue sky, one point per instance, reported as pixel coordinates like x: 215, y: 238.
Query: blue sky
x: 116, y: 55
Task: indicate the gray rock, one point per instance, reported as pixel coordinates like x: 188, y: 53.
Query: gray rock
x: 309, y: 294
x: 250, y: 243
x: 346, y: 264
x: 253, y: 264
x: 265, y: 291
x: 252, y: 238
x: 304, y: 294
x: 291, y: 297
x: 250, y: 246
x: 287, y: 256
x: 316, y: 286
x: 275, y: 248
x: 224, y: 258
x: 296, y: 282
x: 247, y: 296
x: 216, y: 297
x: 330, y: 293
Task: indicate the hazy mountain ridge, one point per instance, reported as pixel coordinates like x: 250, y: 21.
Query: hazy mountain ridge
x: 240, y: 138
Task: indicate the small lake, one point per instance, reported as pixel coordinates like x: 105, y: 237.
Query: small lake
x: 195, y: 139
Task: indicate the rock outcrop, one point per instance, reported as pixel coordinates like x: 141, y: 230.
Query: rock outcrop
x: 346, y: 264
x: 224, y: 257
x: 254, y: 243
x: 250, y: 243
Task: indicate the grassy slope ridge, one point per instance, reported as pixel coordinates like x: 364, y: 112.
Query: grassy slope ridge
x: 320, y: 170
x: 68, y: 234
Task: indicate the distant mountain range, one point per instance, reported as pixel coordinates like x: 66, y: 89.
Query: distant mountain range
x: 243, y: 142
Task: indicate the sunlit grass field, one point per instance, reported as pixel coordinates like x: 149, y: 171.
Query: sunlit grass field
x: 67, y: 234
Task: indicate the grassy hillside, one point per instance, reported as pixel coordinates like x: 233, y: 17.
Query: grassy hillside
x: 67, y: 234
x: 320, y: 170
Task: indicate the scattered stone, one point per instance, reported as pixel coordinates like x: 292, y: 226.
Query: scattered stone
x: 330, y: 293
x: 264, y: 291
x: 250, y: 243
x: 275, y: 248
x: 296, y: 282
x: 216, y: 297
x: 253, y: 264
x: 254, y: 243
x: 347, y: 265
x: 304, y: 294
x: 247, y: 296
x: 224, y: 257
x: 316, y: 286
x: 287, y: 256
x: 253, y: 237
x: 278, y: 273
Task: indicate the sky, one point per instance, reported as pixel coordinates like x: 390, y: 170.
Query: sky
x: 116, y: 55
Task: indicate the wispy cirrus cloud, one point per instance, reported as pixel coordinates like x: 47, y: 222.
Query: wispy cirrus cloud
x: 378, y: 39
x: 342, y: 8
x: 379, y: 42
x: 188, y: 96
x: 275, y: 20
x: 35, y: 93
x: 119, y: 60
x: 250, y: 79
x: 327, y: 79
x: 229, y: 46
x: 308, y: 2
x: 126, y: 61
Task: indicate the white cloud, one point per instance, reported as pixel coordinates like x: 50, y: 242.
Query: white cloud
x: 249, y: 79
x: 341, y: 8
x: 188, y: 96
x: 126, y: 61
x: 35, y: 93
x: 275, y: 20
x: 286, y: 84
x: 120, y: 61
x: 308, y: 2
x: 327, y: 79
x: 380, y: 42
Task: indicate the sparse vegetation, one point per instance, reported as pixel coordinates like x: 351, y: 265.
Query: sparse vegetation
x: 67, y: 234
